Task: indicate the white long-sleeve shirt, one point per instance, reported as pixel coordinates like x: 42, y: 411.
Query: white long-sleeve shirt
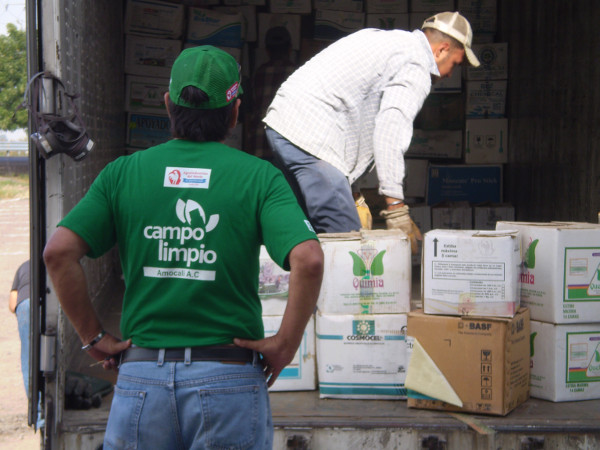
x: 355, y: 103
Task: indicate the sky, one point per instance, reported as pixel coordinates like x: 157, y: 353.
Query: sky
x: 12, y: 11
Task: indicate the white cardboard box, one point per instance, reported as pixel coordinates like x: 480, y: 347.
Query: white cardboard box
x: 150, y: 57
x: 339, y: 5
x: 452, y: 216
x: 290, y: 21
x: 249, y: 21
x: 273, y: 285
x: 361, y: 356
x: 210, y: 27
x: 386, y: 6
x: 387, y: 21
x: 333, y: 25
x: 486, y: 141
x: 146, y: 95
x: 154, y: 18
x: 290, y: 6
x: 486, y: 99
x: 435, y: 144
x: 471, y: 272
x: 485, y: 216
x: 145, y: 130
x: 301, y: 373
x: 565, y: 361
x: 560, y: 282
x: 366, y: 272
x: 494, y: 62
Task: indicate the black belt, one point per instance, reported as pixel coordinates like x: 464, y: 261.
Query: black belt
x: 227, y: 353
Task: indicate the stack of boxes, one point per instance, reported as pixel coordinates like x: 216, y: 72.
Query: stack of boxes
x: 469, y: 346
x: 560, y: 284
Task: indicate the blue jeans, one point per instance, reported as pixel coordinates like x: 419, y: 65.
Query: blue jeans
x: 199, y: 405
x: 322, y: 190
x: 23, y: 324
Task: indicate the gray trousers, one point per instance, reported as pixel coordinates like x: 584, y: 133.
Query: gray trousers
x: 322, y: 190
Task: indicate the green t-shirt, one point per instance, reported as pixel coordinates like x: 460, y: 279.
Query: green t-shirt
x: 189, y: 219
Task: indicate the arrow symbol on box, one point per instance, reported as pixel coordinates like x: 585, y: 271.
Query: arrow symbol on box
x: 435, y: 241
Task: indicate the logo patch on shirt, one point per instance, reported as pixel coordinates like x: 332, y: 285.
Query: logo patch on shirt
x: 309, y: 226
x: 187, y: 177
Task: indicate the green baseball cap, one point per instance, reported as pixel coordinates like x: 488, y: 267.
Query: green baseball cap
x: 210, y: 69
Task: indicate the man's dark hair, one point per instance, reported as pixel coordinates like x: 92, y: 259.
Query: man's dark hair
x: 200, y: 125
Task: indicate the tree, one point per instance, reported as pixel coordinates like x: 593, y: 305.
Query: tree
x: 13, y: 78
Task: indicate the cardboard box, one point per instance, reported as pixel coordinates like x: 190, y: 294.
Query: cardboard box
x: 560, y: 282
x: 452, y: 216
x: 333, y: 25
x: 494, y: 62
x: 386, y: 6
x: 416, y: 19
x: 486, y: 99
x: 301, y: 373
x: 150, y: 57
x: 421, y: 216
x: 249, y: 21
x: 442, y: 112
x: 485, y: 216
x: 339, y: 5
x: 387, y: 21
x: 471, y: 272
x: 454, y: 183
x: 146, y: 95
x: 565, y: 361
x: 210, y: 27
x: 290, y: 6
x: 435, y: 144
x: 452, y: 84
x: 366, y: 272
x: 431, y: 5
x: 484, y: 361
x: 144, y: 130
x: 486, y: 141
x: 361, y: 357
x: 273, y: 285
x: 289, y: 21
x: 481, y: 14
x: 154, y: 18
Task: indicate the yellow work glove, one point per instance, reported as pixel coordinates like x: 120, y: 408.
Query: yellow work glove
x: 399, y: 219
x: 364, y: 213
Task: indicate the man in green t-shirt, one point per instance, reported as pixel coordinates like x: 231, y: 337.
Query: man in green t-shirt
x: 189, y: 217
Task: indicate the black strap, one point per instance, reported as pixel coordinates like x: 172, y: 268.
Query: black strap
x: 209, y: 353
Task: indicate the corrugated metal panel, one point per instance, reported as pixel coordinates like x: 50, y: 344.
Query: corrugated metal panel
x: 552, y: 103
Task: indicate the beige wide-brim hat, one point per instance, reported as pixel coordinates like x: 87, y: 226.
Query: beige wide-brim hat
x: 456, y: 26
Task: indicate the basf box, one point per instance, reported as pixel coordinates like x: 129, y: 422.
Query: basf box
x: 366, y: 272
x: 486, y: 141
x: 565, y: 361
x: 386, y: 6
x: 209, y: 27
x: 486, y: 215
x: 494, y: 62
x: 468, y: 364
x: 560, y: 282
x: 452, y: 216
x: 150, y: 57
x: 154, y: 18
x: 146, y: 95
x: 435, y: 144
x: 361, y: 357
x: 486, y: 99
x: 273, y: 285
x: 144, y: 130
x: 387, y: 21
x: 333, y: 25
x: 471, y: 272
x: 301, y: 373
x: 470, y: 183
